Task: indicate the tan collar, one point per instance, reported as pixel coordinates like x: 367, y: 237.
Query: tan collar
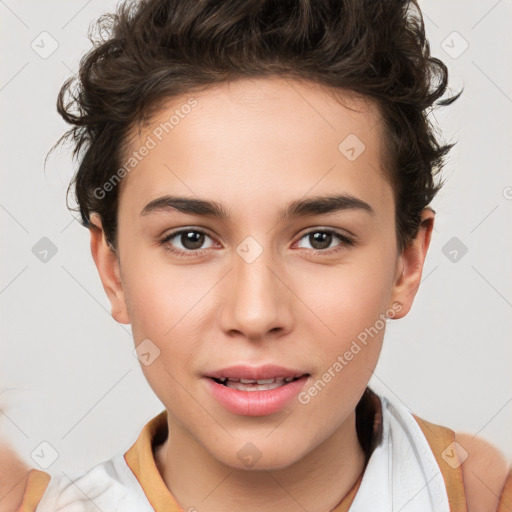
x: 140, y: 458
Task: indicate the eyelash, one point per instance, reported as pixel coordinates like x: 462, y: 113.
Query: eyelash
x: 346, y: 241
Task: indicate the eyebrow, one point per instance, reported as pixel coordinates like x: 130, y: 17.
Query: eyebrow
x: 317, y: 205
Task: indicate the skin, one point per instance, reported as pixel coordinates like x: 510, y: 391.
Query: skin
x: 254, y: 146
x: 14, y: 474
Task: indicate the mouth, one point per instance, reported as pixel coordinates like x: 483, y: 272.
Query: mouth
x: 256, y: 384
x: 255, y: 391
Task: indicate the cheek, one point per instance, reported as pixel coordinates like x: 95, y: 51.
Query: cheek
x: 351, y: 305
x: 158, y: 296
x: 166, y: 305
x: 350, y: 298
x: 164, y: 308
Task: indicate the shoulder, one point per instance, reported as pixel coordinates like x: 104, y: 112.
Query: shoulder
x: 485, y: 471
x: 474, y: 470
x: 14, y: 474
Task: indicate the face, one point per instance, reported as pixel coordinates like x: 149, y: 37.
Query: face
x: 265, y: 290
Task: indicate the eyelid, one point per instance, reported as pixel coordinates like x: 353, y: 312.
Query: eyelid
x: 338, y: 231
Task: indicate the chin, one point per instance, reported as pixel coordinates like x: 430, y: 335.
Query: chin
x: 257, y: 456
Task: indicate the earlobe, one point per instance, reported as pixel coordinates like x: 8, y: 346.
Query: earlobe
x: 107, y: 264
x: 410, y: 264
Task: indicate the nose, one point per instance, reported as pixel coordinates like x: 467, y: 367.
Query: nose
x: 258, y: 300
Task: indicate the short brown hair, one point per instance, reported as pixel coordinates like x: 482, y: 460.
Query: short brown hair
x: 157, y: 49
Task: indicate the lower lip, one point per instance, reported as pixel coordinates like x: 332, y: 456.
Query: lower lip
x: 255, y: 403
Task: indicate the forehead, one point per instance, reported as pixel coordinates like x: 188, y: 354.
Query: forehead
x: 258, y: 135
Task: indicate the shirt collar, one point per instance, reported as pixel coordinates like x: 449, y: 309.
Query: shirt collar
x: 141, y: 460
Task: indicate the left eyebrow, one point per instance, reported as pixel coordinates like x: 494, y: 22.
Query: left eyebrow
x: 317, y: 205
x: 320, y: 205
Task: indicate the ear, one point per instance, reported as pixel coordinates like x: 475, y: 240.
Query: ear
x: 108, y: 267
x: 410, y: 265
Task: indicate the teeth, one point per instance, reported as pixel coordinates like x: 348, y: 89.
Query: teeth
x: 265, y: 381
x: 259, y: 381
x: 256, y: 384
x: 252, y: 385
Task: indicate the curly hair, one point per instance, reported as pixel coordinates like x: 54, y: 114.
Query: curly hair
x: 149, y: 51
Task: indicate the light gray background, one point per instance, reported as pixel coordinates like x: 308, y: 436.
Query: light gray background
x: 67, y: 372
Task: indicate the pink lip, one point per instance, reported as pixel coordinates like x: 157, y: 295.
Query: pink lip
x: 255, y: 403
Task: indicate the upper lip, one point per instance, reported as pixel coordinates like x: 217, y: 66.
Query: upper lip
x: 267, y: 371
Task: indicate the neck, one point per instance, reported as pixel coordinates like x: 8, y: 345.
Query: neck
x: 317, y: 482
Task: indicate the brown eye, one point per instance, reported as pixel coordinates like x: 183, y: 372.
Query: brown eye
x: 321, y: 240
x: 191, y: 241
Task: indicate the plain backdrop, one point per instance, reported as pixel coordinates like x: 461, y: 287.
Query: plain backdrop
x: 68, y: 376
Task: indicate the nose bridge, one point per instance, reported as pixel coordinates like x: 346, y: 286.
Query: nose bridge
x: 257, y: 302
